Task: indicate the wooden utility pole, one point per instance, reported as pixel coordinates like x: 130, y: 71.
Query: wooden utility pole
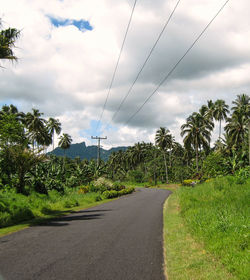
x: 99, y: 146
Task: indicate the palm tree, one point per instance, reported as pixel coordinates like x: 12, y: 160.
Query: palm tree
x: 8, y: 38
x: 198, y: 134
x: 242, y: 104
x: 237, y: 128
x: 242, y: 108
x: 65, y: 141
x: 220, y: 112
x: 36, y: 126
x: 206, y: 115
x: 12, y: 110
x: 163, y: 141
x: 53, y: 126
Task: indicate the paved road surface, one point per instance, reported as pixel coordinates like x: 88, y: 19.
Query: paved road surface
x: 119, y: 240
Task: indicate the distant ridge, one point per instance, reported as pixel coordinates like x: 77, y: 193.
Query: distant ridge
x: 85, y: 152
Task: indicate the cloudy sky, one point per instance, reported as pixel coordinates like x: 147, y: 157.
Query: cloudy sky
x: 68, y: 51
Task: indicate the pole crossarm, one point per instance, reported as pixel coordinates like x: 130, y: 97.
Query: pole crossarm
x: 99, y: 146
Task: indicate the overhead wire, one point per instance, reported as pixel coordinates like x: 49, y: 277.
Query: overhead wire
x: 178, y: 62
x: 145, y: 62
x: 116, y: 66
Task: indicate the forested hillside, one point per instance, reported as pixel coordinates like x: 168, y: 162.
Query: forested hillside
x: 85, y: 152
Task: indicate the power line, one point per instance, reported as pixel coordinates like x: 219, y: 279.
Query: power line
x: 179, y: 61
x: 116, y: 66
x: 145, y: 62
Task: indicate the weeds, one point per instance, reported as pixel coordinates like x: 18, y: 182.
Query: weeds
x: 217, y: 214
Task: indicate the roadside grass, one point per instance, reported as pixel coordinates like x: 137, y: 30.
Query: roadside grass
x: 171, y: 187
x: 186, y: 259
x: 206, y: 231
x: 18, y: 211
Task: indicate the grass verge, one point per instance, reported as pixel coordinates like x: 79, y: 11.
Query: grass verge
x: 186, y: 259
x: 18, y: 211
x: 171, y: 187
x: 53, y: 214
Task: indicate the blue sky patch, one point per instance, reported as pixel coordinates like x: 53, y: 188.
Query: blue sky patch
x: 82, y: 25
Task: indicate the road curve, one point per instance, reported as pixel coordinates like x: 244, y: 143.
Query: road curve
x: 119, y: 240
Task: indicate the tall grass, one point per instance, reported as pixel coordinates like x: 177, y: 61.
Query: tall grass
x: 217, y: 213
x: 16, y: 208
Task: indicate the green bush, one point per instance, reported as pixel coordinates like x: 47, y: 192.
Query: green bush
x: 100, y: 189
x: 116, y: 186
x: 242, y: 175
x: 83, y: 190
x: 110, y: 194
x: 215, y: 165
x: 70, y: 202
x: 189, y: 182
x: 136, y: 176
x: 126, y: 191
x: 98, y: 198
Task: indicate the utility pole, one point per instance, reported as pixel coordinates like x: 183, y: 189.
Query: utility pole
x: 99, y: 146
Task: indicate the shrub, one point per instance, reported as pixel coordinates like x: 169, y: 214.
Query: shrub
x: 189, y: 182
x: 110, y: 194
x: 54, y: 184
x: 72, y: 182
x: 70, y: 202
x: 136, y: 176
x: 117, y: 186
x: 103, y: 182
x: 242, y: 175
x: 126, y: 191
x: 100, y: 189
x: 98, y: 198
x: 215, y: 165
x: 83, y: 190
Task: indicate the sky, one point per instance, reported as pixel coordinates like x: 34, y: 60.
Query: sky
x: 68, y: 50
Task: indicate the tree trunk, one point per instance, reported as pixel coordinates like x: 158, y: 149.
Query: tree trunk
x: 155, y: 179
x: 220, y: 130
x: 21, y: 184
x: 53, y: 137
x: 64, y: 159
x: 197, y: 155
x: 166, y: 167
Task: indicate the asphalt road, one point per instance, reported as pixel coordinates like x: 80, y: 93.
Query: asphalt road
x: 119, y: 240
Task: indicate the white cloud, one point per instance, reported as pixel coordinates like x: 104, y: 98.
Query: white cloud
x: 66, y: 73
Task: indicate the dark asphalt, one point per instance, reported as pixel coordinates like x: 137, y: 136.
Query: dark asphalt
x: 119, y: 240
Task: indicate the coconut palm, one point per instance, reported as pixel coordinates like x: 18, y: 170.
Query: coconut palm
x: 163, y: 141
x: 12, y: 110
x: 36, y: 127
x: 65, y: 141
x: 220, y: 112
x: 54, y: 126
x: 241, y: 110
x: 237, y: 128
x: 242, y: 103
x: 197, y: 132
x: 8, y: 38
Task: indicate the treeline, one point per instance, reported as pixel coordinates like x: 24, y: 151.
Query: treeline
x: 24, y: 165
x: 24, y: 139
x: 168, y: 160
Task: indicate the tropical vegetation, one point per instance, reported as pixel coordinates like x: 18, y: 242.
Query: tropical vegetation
x: 8, y: 38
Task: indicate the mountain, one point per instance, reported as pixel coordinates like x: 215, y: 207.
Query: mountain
x: 85, y: 152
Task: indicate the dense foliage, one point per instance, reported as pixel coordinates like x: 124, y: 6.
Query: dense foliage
x: 168, y: 160
x: 25, y: 166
